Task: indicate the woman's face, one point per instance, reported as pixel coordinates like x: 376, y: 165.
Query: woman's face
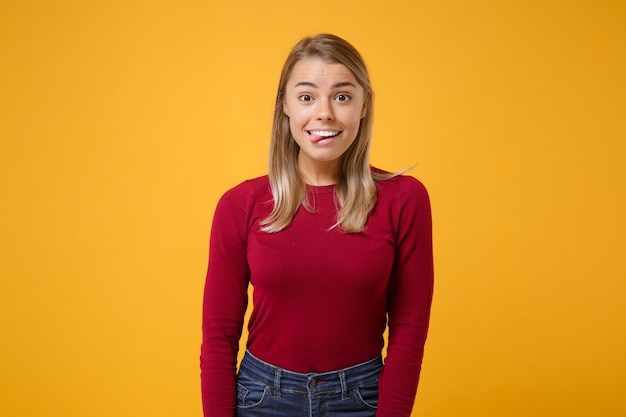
x: 325, y: 104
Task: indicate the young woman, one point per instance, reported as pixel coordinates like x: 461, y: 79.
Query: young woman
x: 335, y: 251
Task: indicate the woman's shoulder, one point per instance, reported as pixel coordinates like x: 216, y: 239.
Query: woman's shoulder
x: 400, y: 186
x: 404, y: 196
x: 253, y: 185
x: 248, y: 191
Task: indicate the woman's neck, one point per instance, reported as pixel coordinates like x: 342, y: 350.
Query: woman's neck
x: 319, y: 173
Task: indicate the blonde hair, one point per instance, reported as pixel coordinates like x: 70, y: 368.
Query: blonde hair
x: 356, y: 191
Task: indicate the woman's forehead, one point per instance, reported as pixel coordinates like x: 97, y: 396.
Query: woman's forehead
x: 320, y: 73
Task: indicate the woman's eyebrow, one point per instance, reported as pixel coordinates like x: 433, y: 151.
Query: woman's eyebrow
x: 338, y: 85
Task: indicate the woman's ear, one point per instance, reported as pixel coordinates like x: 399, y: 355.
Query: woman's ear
x: 368, y: 97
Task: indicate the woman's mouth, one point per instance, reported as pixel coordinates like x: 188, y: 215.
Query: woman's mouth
x: 322, y: 136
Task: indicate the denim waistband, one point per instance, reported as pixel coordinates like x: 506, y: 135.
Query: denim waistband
x: 341, y: 380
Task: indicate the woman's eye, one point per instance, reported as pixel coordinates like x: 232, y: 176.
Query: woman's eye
x: 305, y: 97
x: 343, y: 97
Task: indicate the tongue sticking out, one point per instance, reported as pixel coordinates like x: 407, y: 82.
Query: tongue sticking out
x: 317, y: 138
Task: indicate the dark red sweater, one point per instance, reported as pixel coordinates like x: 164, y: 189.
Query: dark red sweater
x: 321, y: 297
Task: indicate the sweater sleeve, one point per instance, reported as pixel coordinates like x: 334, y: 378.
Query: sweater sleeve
x: 410, y: 297
x: 224, y: 306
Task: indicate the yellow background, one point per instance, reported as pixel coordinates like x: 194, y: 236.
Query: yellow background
x: 122, y: 122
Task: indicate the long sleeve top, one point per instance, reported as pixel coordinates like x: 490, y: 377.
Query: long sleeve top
x: 322, y: 298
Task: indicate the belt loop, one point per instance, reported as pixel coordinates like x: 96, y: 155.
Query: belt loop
x: 344, y: 386
x: 277, y: 376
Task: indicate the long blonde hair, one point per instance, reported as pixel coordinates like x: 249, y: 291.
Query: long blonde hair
x: 356, y: 190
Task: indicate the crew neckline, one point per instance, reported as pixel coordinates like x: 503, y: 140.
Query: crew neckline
x: 321, y: 188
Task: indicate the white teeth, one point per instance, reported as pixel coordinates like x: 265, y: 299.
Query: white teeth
x: 325, y: 133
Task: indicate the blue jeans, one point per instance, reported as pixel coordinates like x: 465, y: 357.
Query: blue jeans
x: 264, y: 390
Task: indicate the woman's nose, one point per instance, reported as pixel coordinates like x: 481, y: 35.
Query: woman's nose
x: 325, y: 111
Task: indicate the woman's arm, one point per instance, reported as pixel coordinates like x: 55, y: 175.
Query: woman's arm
x: 410, y: 297
x: 225, y: 302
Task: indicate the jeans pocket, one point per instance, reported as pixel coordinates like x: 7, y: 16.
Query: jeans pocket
x: 250, y: 394
x: 367, y: 396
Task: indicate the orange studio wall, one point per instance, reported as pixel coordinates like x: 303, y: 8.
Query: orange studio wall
x: 122, y: 123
